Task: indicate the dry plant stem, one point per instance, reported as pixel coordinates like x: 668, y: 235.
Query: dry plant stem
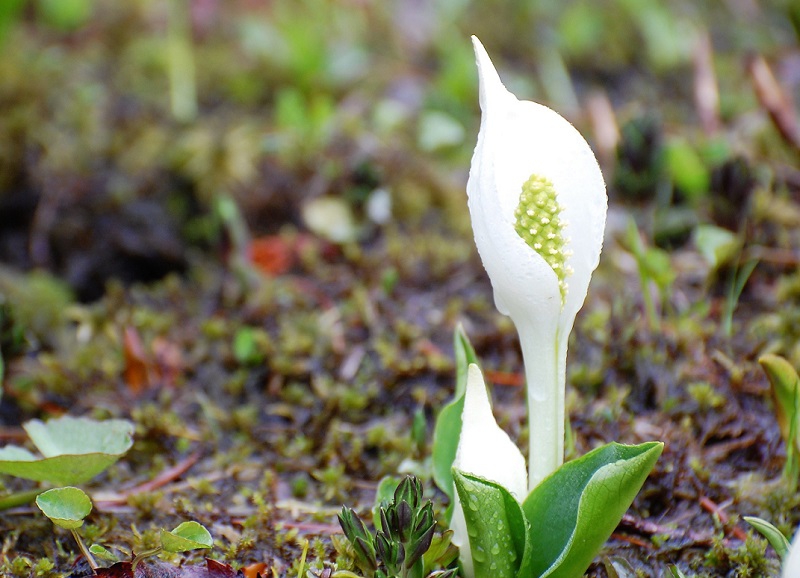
x: 774, y: 99
x: 713, y: 508
x: 162, y: 479
x: 84, y: 550
x: 706, y: 94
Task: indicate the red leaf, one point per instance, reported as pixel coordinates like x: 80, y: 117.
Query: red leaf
x: 271, y: 255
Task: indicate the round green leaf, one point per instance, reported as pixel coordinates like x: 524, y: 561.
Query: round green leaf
x: 66, y: 507
x: 187, y: 536
x: 74, y: 449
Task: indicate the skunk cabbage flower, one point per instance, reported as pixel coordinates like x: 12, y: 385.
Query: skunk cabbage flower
x: 791, y: 564
x: 484, y: 450
x: 537, y: 201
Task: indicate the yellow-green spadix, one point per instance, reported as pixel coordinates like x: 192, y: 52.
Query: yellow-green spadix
x: 538, y: 202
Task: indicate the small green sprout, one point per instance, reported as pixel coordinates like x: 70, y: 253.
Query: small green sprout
x: 185, y: 537
x: 67, y: 508
x: 774, y: 536
x: 785, y: 388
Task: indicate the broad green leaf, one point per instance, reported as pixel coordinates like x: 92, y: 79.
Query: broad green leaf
x: 676, y: 572
x: 75, y: 450
x: 448, y: 423
x: 187, y: 536
x: 574, y: 510
x: 80, y: 435
x: 497, y: 528
x: 774, y: 536
x: 66, y: 507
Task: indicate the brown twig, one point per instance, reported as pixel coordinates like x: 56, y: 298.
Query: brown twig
x: 706, y: 94
x: 713, y: 508
x: 774, y: 99
x: 165, y: 477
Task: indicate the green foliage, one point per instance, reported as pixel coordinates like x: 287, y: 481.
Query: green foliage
x: 65, y: 15
x: 785, y: 388
x: 406, y: 533
x: 448, y: 423
x: 563, y: 522
x: 774, y: 536
x: 66, y: 507
x: 687, y: 170
x: 75, y: 449
x: 185, y: 537
x: 654, y: 267
x: 717, y: 245
x: 499, y: 534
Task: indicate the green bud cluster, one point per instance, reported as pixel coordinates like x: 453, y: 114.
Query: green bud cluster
x: 538, y: 222
x: 406, y: 533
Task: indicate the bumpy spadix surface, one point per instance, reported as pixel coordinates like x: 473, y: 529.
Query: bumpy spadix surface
x: 538, y: 222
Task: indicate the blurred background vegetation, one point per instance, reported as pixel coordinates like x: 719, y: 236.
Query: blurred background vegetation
x: 326, y: 144
x: 123, y: 124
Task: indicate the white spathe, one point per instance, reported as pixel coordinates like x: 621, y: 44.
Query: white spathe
x: 791, y: 564
x: 518, y: 139
x: 484, y: 450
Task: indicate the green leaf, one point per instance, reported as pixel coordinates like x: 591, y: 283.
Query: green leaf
x: 448, y: 423
x: 441, y: 552
x: 574, y: 510
x: 497, y: 528
x: 66, y: 507
x: 187, y: 536
x: 785, y: 386
x: 102, y: 553
x: 80, y: 435
x: 774, y: 536
x: 676, y: 572
x: 687, y: 169
x: 717, y: 245
x: 75, y: 449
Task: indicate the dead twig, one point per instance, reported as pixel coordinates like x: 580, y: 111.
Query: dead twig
x: 706, y: 93
x: 715, y: 509
x: 774, y: 99
x: 165, y: 477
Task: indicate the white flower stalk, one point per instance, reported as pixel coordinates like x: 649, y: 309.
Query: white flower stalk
x: 484, y: 450
x: 538, y: 203
x: 791, y: 564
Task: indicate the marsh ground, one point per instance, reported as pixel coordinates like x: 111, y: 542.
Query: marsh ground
x: 243, y: 226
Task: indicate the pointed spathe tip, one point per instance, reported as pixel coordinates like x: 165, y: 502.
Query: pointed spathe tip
x: 491, y: 87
